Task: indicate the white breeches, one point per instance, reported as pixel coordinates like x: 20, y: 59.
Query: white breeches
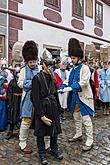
x: 24, y: 130
x: 86, y: 120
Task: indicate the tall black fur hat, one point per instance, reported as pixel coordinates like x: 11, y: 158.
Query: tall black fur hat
x: 30, y: 51
x: 74, y: 48
x: 73, y: 42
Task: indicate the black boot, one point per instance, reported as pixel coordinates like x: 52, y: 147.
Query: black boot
x: 63, y: 117
x: 44, y: 161
x: 10, y: 132
x: 9, y: 135
x: 62, y: 114
x: 57, y: 154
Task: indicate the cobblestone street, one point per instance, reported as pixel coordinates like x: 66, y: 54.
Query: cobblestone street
x: 73, y: 155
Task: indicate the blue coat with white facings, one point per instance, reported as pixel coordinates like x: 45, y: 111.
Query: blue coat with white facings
x: 81, y: 90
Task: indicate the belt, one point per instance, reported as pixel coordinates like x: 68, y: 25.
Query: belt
x: 17, y: 94
x: 48, y: 97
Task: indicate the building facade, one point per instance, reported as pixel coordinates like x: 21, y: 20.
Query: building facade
x: 50, y: 23
x: 3, y: 28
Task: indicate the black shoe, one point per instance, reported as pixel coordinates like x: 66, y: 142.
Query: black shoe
x: 44, y: 161
x: 57, y: 154
x: 63, y: 118
x: 48, y: 150
x: 9, y: 135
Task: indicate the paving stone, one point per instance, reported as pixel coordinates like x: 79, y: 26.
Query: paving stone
x: 104, y: 162
x: 82, y: 161
x: 73, y: 155
x: 107, y: 158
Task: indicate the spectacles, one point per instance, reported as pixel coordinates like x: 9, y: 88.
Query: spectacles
x: 64, y: 63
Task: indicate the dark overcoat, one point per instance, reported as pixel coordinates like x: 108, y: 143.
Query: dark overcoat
x: 14, y: 94
x: 45, y: 104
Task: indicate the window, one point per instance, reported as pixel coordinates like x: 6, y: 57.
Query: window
x: 98, y: 14
x: 54, y: 50
x: 2, y: 44
x: 54, y: 4
x: 78, y: 8
x: 82, y: 45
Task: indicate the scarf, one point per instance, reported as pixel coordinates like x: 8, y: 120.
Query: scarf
x: 50, y: 72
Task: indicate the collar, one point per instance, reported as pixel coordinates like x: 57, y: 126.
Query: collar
x: 77, y: 64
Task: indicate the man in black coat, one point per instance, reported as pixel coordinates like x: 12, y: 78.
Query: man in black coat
x: 47, y: 110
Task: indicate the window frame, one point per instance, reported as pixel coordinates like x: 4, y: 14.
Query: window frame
x: 2, y: 46
x: 97, y: 24
x: 73, y: 10
x: 57, y: 8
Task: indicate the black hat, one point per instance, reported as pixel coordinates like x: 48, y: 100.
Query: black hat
x: 74, y: 48
x: 73, y: 42
x: 30, y: 51
x: 77, y: 52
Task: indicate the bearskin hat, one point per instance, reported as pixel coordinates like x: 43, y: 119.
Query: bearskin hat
x: 30, y: 51
x: 77, y: 52
x: 73, y: 42
x: 74, y: 48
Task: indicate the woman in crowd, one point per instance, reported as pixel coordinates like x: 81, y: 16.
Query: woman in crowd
x: 62, y: 74
x: 14, y: 94
x: 104, y: 87
x: 3, y: 102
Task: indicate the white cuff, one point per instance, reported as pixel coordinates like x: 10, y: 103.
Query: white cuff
x: 67, y: 89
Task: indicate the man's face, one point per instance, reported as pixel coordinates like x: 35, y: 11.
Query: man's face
x: 63, y: 66
x: 91, y: 64
x: 32, y: 63
x: 74, y: 60
x: 106, y: 65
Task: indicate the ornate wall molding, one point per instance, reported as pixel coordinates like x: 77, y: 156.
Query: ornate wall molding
x: 98, y: 32
x: 52, y: 15
x: 77, y: 24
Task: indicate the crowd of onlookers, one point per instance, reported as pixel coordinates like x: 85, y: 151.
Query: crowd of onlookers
x: 61, y: 66
x: 99, y: 81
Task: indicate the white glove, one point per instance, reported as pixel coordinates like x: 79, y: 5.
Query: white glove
x: 67, y: 89
x: 60, y: 91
